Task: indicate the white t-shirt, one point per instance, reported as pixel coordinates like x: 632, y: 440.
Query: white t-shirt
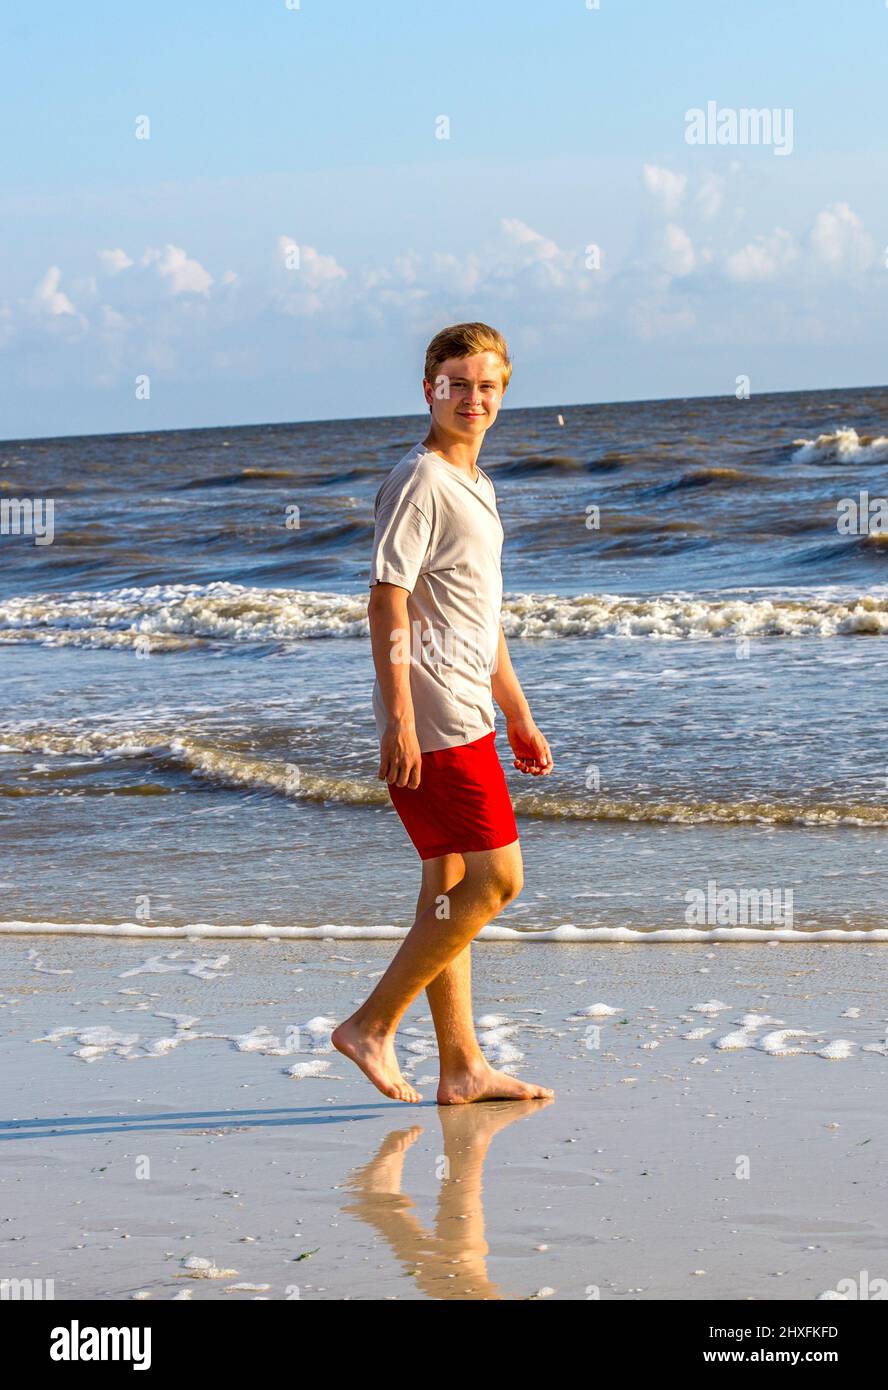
x: 438, y: 535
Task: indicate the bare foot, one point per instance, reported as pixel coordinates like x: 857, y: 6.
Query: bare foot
x: 483, y: 1083
x: 376, y: 1058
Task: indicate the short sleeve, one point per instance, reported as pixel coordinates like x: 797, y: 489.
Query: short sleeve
x: 401, y: 541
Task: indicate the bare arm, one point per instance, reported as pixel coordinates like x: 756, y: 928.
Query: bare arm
x: 399, y: 755
x: 505, y: 685
x: 532, y: 752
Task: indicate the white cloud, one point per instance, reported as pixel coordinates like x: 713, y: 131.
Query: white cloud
x: 540, y: 290
x: 48, y: 298
x: 763, y: 258
x: 319, y: 269
x: 115, y: 261
x: 666, y: 186
x: 709, y: 198
x: 537, y: 247
x: 838, y: 240
x: 314, y: 268
x: 461, y: 273
x: 186, y: 276
x: 527, y: 250
x: 313, y: 280
x: 678, y: 256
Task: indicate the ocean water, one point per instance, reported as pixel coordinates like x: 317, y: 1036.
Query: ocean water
x: 186, y: 734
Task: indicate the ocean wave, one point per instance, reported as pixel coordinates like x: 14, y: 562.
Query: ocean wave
x: 681, y: 616
x: 222, y: 612
x: 540, y: 463
x: 870, y: 549
x: 222, y: 766
x: 230, y: 767
x: 844, y: 445
x: 707, y: 477
x: 170, y: 617
x: 244, y: 477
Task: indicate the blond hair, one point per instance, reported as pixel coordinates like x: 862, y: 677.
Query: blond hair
x: 464, y: 340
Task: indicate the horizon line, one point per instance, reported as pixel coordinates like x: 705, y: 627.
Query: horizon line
x: 407, y: 415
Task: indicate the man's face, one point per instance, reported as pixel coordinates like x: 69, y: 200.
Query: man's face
x: 466, y: 395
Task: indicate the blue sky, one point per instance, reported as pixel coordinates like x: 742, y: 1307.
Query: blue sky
x: 273, y: 128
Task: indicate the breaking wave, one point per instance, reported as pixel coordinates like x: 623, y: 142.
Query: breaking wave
x: 229, y: 767
x: 169, y: 617
x: 844, y: 445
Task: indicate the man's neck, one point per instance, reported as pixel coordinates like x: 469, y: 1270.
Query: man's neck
x: 462, y: 454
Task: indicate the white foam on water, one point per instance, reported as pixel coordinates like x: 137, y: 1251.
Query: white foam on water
x: 57, y: 1035
x: 37, y: 964
x: 319, y: 1030
x: 196, y: 1267
x: 567, y: 932
x: 160, y: 1047
x: 778, y: 1044
x: 182, y: 1021
x: 743, y: 1037
x: 99, y: 1041
x: 837, y: 1050
x: 735, y: 1042
x: 302, y: 1071
x: 204, y: 968
x: 757, y: 1020
x: 497, y: 1045
x: 843, y: 445
x: 262, y: 1040
x: 170, y: 617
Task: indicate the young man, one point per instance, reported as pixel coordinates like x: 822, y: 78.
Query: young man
x: 441, y: 658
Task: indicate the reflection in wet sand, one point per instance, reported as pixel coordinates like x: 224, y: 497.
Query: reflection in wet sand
x: 449, y: 1262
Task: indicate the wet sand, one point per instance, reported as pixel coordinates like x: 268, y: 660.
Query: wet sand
x: 214, y: 1124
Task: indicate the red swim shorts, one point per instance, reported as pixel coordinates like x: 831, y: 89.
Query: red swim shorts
x: 462, y: 802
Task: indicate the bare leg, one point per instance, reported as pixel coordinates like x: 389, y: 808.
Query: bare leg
x: 466, y: 1075
x: 450, y: 992
x: 492, y: 879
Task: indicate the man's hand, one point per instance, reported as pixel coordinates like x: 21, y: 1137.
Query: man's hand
x: 531, y: 750
x: 399, y: 756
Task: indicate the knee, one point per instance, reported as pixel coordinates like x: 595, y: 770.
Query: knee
x: 506, y: 884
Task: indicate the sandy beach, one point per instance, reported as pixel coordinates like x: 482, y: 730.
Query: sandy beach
x: 175, y: 1125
